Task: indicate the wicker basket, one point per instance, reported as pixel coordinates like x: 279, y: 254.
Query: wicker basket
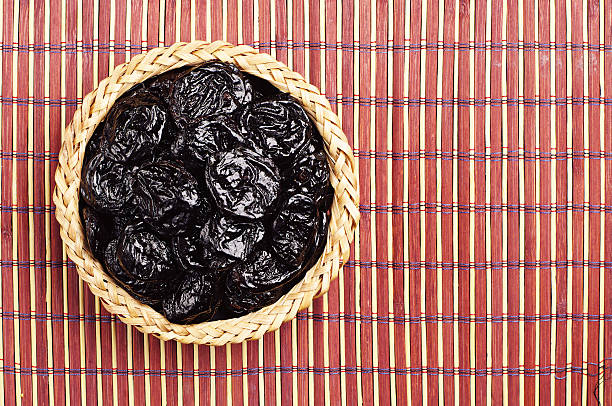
x: 344, y: 211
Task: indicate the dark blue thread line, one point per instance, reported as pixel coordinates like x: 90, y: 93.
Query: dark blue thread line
x: 546, y: 370
x: 348, y: 318
x: 103, y: 47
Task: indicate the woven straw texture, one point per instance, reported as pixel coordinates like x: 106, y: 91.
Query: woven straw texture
x: 481, y: 271
x: 344, y: 210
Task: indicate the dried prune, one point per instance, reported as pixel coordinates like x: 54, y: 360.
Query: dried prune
x: 190, y: 250
x: 243, y: 182
x: 149, y: 292
x: 317, y: 247
x: 310, y: 174
x: 262, y: 89
x: 195, y: 300
x: 206, y: 193
x: 167, y: 196
x: 208, y: 90
x: 197, y: 143
x: 106, y: 185
x: 120, y: 222
x: 239, y: 300
x: 205, y: 208
x: 295, y: 229
x: 143, y: 255
x: 134, y: 127
x: 96, y: 231
x: 194, y: 253
x: 233, y: 237
x: 95, y: 142
x: 278, y: 126
x: 161, y: 86
x: 262, y: 271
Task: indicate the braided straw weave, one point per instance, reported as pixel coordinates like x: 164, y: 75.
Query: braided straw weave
x: 344, y: 211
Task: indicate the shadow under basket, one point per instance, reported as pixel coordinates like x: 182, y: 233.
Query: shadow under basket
x: 344, y: 211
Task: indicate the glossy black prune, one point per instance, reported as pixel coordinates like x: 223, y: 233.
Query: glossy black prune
x: 309, y: 174
x: 242, y: 182
x: 240, y: 300
x: 189, y: 249
x: 194, y: 252
x: 261, y: 272
x: 106, y: 185
x: 209, y: 90
x: 95, y: 142
x: 262, y: 89
x: 167, y: 196
x: 294, y: 229
x: 278, y: 126
x: 161, y: 86
x: 232, y: 236
x: 195, y: 300
x: 143, y: 255
x: 200, y: 141
x: 97, y: 231
x: 134, y: 127
x: 318, y: 246
x: 206, y: 193
x: 120, y: 222
x: 149, y: 292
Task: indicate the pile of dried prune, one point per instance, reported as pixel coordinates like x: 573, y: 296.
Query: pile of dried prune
x: 205, y: 193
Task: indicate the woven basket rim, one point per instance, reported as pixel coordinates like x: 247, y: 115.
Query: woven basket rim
x: 344, y: 212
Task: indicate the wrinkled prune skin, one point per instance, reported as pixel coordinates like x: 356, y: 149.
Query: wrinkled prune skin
x: 318, y: 246
x: 133, y: 129
x: 161, y: 86
x: 309, y: 174
x: 106, y: 185
x: 195, y: 300
x: 239, y: 301
x: 262, y: 271
x: 97, y: 231
x: 196, y: 144
x: 295, y: 228
x: 143, y: 255
x: 211, y: 89
x: 233, y: 237
x: 121, y: 222
x: 205, y: 193
x: 167, y: 196
x: 278, y: 126
x: 149, y: 292
x: 95, y: 142
x: 195, y: 253
x: 190, y: 250
x: 242, y: 182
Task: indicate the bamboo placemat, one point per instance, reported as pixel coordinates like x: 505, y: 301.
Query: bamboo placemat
x: 482, y: 267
